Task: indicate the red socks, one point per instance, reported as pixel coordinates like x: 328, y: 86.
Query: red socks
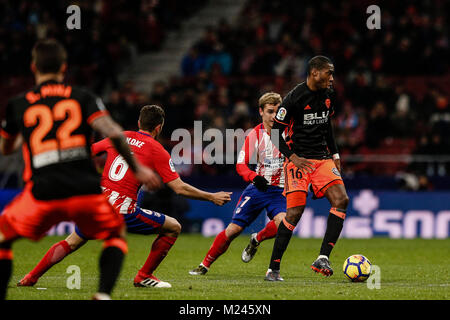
x: 54, y: 255
x: 269, y: 232
x: 160, y: 248
x: 219, y: 246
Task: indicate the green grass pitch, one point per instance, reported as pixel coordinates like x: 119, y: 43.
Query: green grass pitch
x: 410, y: 269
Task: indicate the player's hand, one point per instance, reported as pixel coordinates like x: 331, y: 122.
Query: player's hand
x: 302, y: 163
x: 260, y: 183
x: 220, y: 198
x: 148, y: 178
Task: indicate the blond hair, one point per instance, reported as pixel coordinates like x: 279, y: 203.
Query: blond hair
x: 269, y: 98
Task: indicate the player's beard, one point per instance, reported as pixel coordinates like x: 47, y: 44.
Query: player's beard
x: 327, y: 84
x: 322, y: 83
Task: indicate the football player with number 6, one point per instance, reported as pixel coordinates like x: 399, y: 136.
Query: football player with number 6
x: 121, y: 188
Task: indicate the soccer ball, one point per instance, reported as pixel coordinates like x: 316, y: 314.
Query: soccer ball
x: 357, y: 268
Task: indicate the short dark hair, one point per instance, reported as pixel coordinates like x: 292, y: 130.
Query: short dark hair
x: 151, y: 116
x: 48, y: 56
x: 319, y: 63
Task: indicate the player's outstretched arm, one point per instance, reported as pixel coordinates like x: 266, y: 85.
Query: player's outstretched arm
x: 109, y: 128
x: 188, y: 191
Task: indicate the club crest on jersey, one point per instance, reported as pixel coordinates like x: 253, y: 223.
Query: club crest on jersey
x: 328, y: 103
x: 336, y: 172
x: 281, y: 114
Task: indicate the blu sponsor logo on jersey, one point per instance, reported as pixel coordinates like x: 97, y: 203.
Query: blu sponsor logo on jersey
x: 315, y: 118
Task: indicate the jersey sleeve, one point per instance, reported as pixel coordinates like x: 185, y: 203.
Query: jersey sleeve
x: 164, y: 166
x: 282, y: 120
x: 100, y: 146
x: 245, y: 155
x: 284, y: 113
x: 94, y: 107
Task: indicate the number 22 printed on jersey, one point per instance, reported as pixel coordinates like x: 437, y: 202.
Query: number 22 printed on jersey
x: 65, y: 145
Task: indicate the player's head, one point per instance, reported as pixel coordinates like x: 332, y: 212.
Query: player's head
x: 268, y: 107
x: 320, y: 72
x: 151, y: 119
x: 48, y: 57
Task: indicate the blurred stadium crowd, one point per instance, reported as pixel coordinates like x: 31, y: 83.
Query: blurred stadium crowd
x: 111, y: 34
x: 392, y: 84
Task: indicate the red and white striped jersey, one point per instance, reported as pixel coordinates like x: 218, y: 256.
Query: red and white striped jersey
x: 118, y: 182
x: 269, y: 160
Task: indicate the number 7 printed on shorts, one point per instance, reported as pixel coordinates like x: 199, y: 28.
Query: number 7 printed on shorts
x: 246, y: 198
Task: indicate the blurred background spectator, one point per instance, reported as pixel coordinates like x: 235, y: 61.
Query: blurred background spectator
x: 392, y: 84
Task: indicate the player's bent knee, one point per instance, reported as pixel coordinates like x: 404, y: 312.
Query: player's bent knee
x: 172, y: 226
x: 75, y: 241
x: 233, y: 230
x: 294, y: 214
x: 279, y: 217
x: 176, y: 227
x: 341, y: 201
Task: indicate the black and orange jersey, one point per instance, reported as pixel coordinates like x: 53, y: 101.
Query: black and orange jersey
x: 306, y: 114
x: 54, y: 119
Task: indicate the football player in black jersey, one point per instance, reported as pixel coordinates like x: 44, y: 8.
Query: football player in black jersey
x: 313, y: 161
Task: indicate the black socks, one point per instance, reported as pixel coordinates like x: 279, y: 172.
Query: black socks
x: 110, y: 264
x: 282, y: 239
x: 335, y: 224
x: 5, y: 274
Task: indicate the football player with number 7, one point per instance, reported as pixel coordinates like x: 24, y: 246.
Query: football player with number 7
x: 121, y: 188
x: 264, y: 192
